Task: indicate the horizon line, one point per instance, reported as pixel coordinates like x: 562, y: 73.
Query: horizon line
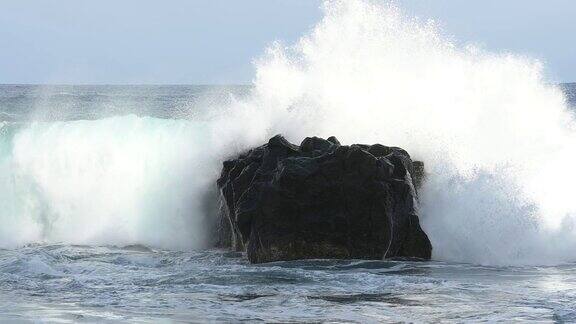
x: 155, y: 84
x: 128, y: 84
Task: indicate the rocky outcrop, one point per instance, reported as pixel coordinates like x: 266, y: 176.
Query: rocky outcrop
x: 321, y: 200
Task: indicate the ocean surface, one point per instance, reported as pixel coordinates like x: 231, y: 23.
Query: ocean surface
x: 70, y: 252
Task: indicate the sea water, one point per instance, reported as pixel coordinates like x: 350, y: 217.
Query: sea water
x: 103, y: 244
x: 103, y: 189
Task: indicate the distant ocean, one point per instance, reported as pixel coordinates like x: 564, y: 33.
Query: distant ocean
x: 87, y: 102
x: 570, y: 91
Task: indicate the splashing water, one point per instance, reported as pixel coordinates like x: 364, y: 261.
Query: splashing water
x: 496, y: 139
x: 119, y: 180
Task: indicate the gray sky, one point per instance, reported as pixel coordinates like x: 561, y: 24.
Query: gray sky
x: 215, y: 41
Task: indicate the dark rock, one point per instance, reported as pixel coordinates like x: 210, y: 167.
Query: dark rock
x: 321, y: 200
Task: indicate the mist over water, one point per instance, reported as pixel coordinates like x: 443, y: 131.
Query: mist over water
x: 496, y: 137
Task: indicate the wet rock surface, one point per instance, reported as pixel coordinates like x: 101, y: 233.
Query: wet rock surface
x: 321, y: 200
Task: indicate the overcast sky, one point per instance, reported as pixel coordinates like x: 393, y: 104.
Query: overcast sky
x: 215, y: 41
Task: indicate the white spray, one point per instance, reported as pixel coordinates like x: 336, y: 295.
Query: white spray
x: 497, y: 140
x: 120, y: 180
